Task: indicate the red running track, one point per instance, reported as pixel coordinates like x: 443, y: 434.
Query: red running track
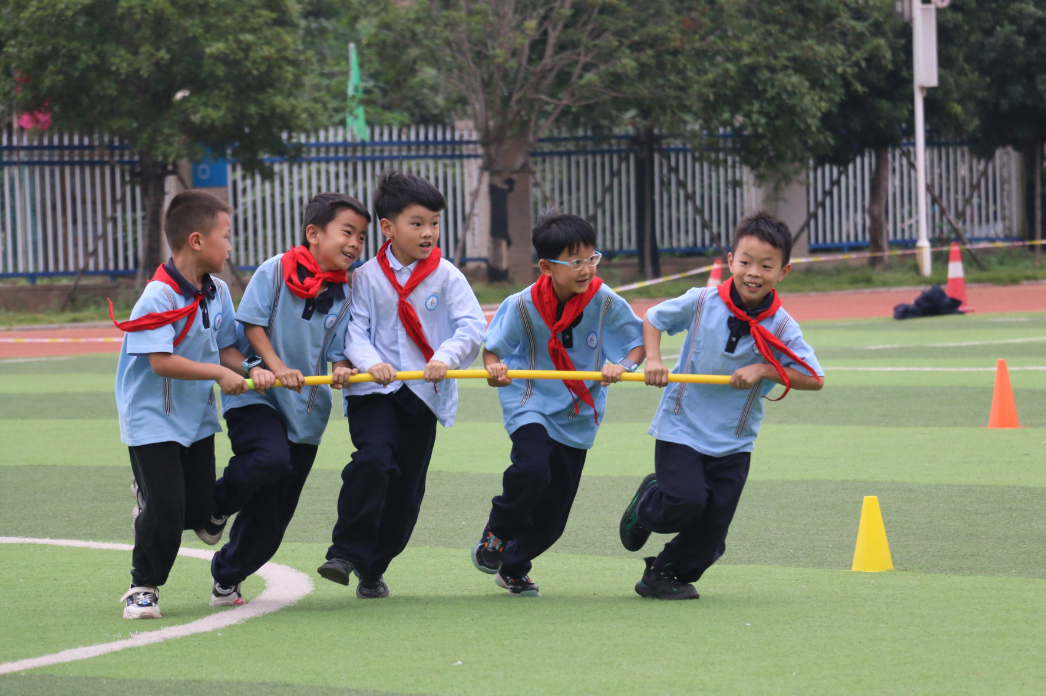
x: 981, y: 299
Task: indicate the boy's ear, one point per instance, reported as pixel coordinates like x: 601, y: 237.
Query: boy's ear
x: 195, y: 241
x: 312, y: 234
x: 386, y: 227
x: 785, y: 271
x: 545, y: 267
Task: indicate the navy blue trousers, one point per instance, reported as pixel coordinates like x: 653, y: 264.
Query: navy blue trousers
x: 262, y: 483
x: 694, y: 498
x: 538, y: 491
x: 384, y: 483
x: 175, y: 487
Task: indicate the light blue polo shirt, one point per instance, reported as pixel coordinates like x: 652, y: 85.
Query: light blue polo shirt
x: 159, y: 409
x: 717, y: 420
x: 302, y: 344
x: 609, y: 330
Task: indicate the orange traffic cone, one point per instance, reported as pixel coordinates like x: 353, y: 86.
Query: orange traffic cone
x: 716, y: 276
x: 956, y: 281
x: 1004, y: 408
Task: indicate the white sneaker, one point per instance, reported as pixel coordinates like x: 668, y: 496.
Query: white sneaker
x: 141, y: 603
x: 222, y: 596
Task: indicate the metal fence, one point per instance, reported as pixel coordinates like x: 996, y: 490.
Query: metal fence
x: 983, y: 197
x: 267, y: 213
x: 67, y: 202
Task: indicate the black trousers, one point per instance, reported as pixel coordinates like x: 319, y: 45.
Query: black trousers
x: 695, y: 498
x: 538, y: 491
x: 384, y: 483
x: 176, y: 489
x: 262, y: 482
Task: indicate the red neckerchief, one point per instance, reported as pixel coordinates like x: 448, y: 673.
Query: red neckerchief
x: 310, y: 287
x: 764, y: 338
x: 155, y: 320
x: 408, y: 316
x: 544, y: 297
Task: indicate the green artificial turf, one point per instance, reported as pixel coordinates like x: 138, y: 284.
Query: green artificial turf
x: 755, y: 630
x: 962, y: 505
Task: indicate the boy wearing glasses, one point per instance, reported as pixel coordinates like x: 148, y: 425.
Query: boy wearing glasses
x: 567, y: 320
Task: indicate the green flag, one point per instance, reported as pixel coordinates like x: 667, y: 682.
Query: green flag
x: 355, y: 121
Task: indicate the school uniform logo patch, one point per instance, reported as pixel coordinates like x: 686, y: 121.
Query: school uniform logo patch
x: 217, y: 321
x: 328, y: 323
x: 592, y: 339
x: 431, y: 302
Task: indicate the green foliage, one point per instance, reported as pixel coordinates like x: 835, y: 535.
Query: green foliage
x: 167, y: 76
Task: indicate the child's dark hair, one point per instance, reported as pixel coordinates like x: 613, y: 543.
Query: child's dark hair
x: 556, y: 232
x: 324, y: 207
x: 398, y: 190
x: 191, y: 211
x: 766, y: 227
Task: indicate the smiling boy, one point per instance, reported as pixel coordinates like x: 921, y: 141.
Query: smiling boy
x: 411, y: 310
x: 706, y: 433
x: 292, y: 321
x: 567, y: 320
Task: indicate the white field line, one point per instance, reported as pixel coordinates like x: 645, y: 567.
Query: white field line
x: 956, y: 345
x: 933, y: 369
x: 284, y: 586
x: 22, y: 360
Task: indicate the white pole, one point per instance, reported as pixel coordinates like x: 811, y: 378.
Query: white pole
x: 923, y: 245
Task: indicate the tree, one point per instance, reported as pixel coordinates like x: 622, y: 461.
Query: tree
x: 519, y: 64
x: 1004, y: 43
x: 169, y: 78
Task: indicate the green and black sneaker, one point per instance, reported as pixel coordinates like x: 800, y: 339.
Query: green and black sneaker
x: 633, y: 536
x: 663, y: 584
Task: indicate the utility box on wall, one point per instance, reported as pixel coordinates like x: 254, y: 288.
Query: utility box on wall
x: 210, y: 172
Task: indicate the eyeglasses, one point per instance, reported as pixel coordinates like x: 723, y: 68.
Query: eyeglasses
x: 578, y: 264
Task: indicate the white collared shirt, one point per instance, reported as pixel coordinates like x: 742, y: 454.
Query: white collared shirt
x: 450, y: 317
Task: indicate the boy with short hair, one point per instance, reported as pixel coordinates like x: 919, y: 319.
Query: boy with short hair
x: 292, y: 321
x: 411, y: 310
x: 567, y: 320
x: 706, y: 433
x: 180, y: 341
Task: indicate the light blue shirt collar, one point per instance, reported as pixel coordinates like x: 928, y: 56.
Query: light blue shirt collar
x: 395, y: 264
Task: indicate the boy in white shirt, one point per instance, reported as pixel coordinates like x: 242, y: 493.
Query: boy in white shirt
x: 411, y: 310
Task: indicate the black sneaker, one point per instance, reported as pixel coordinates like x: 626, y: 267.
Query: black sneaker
x: 518, y: 587
x: 211, y: 533
x: 141, y: 603
x: 663, y: 584
x: 486, y: 555
x: 372, y: 589
x: 634, y: 537
x: 337, y: 570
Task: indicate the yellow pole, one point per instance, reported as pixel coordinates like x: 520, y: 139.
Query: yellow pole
x: 521, y: 374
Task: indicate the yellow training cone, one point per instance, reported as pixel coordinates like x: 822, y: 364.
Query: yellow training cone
x: 873, y: 551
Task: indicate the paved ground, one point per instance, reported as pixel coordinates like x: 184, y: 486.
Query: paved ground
x: 1029, y: 297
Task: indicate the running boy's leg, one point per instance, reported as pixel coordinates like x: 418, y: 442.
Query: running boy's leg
x: 261, y: 523
x: 198, y: 476
x: 549, y: 517
x: 158, y: 529
x: 524, y: 482
x: 407, y: 487
x: 701, y: 543
x: 261, y: 456
x: 375, y: 430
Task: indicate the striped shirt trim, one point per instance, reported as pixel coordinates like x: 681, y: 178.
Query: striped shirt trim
x: 165, y: 395
x: 320, y: 362
x: 532, y: 346
x: 754, y: 393
x: 695, y: 328
x: 277, y: 290
x: 607, y: 304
